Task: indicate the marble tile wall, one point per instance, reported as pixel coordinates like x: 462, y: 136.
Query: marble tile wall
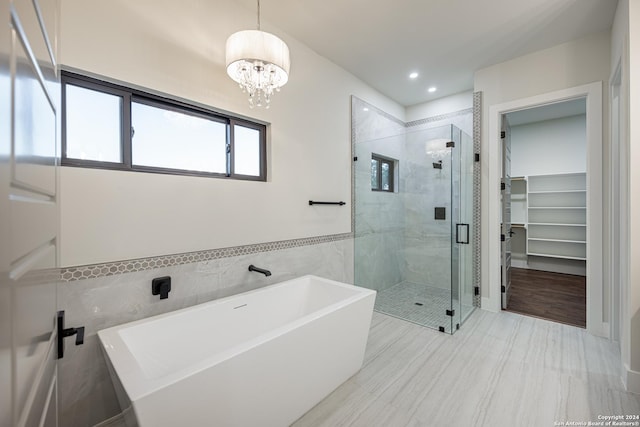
x: 421, y: 251
x: 396, y: 235
x: 379, y: 219
x: 369, y: 122
x: 378, y: 216
x: 427, y: 257
x: 86, y: 394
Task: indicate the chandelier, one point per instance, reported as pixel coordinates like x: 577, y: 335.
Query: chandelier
x: 433, y: 149
x: 259, y: 62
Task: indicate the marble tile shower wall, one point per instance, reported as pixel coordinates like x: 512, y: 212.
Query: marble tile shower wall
x: 86, y: 394
x: 396, y: 236
x: 369, y: 122
x: 378, y: 216
x: 379, y: 219
x: 427, y: 258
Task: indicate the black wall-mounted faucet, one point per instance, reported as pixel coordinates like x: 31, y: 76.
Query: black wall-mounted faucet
x: 67, y: 332
x: 252, y: 267
x: 161, y: 286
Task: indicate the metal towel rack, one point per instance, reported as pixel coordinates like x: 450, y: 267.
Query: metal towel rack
x: 311, y: 203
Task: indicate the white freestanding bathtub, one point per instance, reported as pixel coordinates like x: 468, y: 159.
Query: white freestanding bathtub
x: 261, y: 358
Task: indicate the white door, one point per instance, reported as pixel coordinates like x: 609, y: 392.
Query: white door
x: 505, y: 235
x: 29, y: 94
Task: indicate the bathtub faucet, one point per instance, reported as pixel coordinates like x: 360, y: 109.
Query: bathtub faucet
x: 259, y: 270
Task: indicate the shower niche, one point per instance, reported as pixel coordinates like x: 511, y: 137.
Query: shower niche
x: 412, y: 244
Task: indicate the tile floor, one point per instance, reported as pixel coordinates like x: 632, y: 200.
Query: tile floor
x: 499, y: 370
x: 400, y: 301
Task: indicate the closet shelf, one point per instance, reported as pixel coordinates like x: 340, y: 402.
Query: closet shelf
x: 557, y: 207
x: 557, y: 224
x: 539, y: 239
x: 557, y: 256
x: 557, y: 191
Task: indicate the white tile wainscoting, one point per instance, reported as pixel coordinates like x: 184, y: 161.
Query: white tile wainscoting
x: 86, y: 394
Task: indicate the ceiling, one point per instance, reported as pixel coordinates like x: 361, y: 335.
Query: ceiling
x: 558, y: 110
x: 445, y: 41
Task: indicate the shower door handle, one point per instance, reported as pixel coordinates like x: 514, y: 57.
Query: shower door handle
x: 465, y: 234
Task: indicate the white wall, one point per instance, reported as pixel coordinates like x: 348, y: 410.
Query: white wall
x: 177, y: 48
x: 626, y: 45
x: 620, y: 56
x: 625, y: 51
x: 564, y: 66
x: 549, y: 147
x: 446, y: 105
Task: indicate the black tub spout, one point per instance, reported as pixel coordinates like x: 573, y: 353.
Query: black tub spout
x: 252, y: 267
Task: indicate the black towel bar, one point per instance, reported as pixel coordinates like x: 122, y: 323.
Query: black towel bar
x: 311, y: 203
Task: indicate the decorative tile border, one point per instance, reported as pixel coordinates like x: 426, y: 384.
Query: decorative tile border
x: 477, y: 128
x: 355, y: 99
x: 71, y: 274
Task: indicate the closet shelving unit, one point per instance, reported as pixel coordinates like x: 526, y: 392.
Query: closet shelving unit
x: 557, y: 216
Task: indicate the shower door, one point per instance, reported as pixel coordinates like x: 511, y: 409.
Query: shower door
x: 462, y: 221
x: 412, y: 224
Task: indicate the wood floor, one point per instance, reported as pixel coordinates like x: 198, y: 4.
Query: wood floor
x: 500, y: 370
x: 553, y: 296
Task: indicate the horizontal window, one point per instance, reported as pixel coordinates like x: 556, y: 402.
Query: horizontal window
x: 175, y: 140
x: 382, y: 173
x: 114, y: 127
x: 94, y: 127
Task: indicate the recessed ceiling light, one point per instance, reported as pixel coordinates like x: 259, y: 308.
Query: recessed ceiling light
x: 365, y: 109
x: 432, y: 89
x: 413, y: 75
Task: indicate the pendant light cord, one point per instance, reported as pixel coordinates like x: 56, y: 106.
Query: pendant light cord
x: 258, y: 15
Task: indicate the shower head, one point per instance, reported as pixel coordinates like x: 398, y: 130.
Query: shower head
x: 437, y: 165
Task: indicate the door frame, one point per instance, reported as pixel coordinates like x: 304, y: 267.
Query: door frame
x: 506, y: 252
x: 490, y: 219
x: 617, y: 229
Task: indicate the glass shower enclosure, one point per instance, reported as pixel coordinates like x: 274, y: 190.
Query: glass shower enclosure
x: 413, y: 220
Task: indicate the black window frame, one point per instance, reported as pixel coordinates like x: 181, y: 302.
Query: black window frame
x: 392, y: 169
x: 129, y: 95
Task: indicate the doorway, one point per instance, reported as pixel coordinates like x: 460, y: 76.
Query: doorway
x: 597, y: 323
x: 544, y: 198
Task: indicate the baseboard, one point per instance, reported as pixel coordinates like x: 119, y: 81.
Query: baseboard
x: 599, y: 329
x: 519, y: 263
x: 557, y: 265
x: 491, y: 304
x: 631, y: 380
